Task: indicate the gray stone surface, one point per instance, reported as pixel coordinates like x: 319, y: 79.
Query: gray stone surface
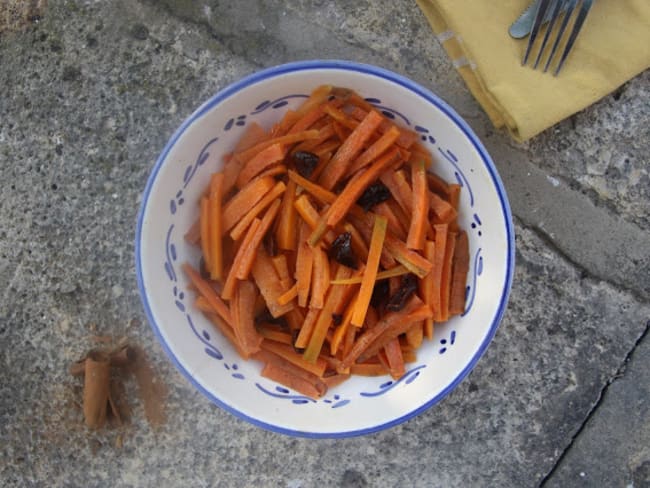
x: 90, y: 94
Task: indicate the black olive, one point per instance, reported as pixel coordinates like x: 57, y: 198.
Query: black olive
x: 407, y: 287
x: 337, y: 318
x: 305, y: 162
x: 380, y: 294
x: 374, y: 194
x: 266, y: 318
x: 341, y: 250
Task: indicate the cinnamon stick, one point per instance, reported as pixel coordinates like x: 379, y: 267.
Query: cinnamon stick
x: 96, y: 388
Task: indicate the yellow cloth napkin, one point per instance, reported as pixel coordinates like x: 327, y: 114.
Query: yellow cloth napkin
x: 613, y: 47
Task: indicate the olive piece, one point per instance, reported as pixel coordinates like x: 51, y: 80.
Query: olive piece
x: 407, y: 287
x: 305, y: 162
x: 374, y: 194
x: 341, y: 250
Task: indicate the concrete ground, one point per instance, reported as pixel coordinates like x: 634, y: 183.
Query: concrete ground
x: 91, y: 90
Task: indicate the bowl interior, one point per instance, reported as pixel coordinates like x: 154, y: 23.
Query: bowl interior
x: 169, y: 208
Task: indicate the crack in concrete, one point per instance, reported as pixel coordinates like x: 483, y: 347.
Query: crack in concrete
x: 620, y: 372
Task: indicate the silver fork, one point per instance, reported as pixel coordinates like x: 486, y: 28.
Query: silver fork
x: 556, y: 7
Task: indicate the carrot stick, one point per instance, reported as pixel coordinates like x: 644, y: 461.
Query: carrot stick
x: 415, y: 335
x: 368, y: 369
x: 349, y: 149
x: 394, y: 225
x: 335, y: 380
x: 243, y: 321
x: 268, y: 281
x: 395, y: 329
x: 411, y: 259
x: 321, y: 277
x: 367, y: 338
x: 406, y: 137
x: 350, y: 194
x: 438, y: 185
x: 193, y: 234
x: 334, y: 298
x: 427, y: 288
x: 324, y: 134
x: 285, y: 140
x: 318, y: 96
x: 249, y: 251
x: 205, y: 231
x: 275, y: 170
x: 291, y: 380
x: 340, y: 117
x: 286, y: 230
x: 370, y: 273
x: 287, y: 352
x: 261, y: 161
x: 307, y: 328
x: 399, y: 189
x: 204, y: 288
x: 443, y: 211
x: 239, y: 229
x: 272, y: 333
x: 395, y: 359
x: 375, y: 150
x: 438, y: 265
x: 320, y: 193
x: 460, y: 267
x: 237, y: 207
x: 419, y: 217
x: 281, y: 266
x: 202, y: 304
x: 216, y: 248
x: 341, y: 330
x: 445, y: 286
x: 230, y: 172
x: 398, y: 270
x: 288, y: 119
x: 227, y: 332
x: 304, y: 263
x: 253, y: 135
x: 231, y: 280
x: 289, y: 295
x: 310, y: 216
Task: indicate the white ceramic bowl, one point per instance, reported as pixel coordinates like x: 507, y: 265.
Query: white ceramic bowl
x: 360, y: 405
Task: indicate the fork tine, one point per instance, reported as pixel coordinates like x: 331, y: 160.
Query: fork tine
x: 539, y: 17
x: 557, y: 4
x: 565, y: 21
x: 582, y: 15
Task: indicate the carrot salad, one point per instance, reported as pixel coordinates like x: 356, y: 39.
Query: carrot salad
x: 328, y: 247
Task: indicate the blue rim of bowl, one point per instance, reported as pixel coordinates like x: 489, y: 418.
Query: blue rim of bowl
x: 394, y: 78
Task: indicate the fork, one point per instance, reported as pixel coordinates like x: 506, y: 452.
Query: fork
x: 556, y: 7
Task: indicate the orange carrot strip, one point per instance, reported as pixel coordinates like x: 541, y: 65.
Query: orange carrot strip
x: 444, y: 211
x: 341, y: 330
x: 454, y: 195
x: 321, y: 278
x: 398, y: 270
x: 253, y: 135
x: 227, y: 332
x: 427, y: 289
x: 231, y: 280
x: 335, y: 297
x: 445, y: 286
x: 323, y: 135
x: 204, y: 288
x: 438, y: 265
x: 237, y: 207
x: 375, y: 150
x: 349, y: 149
x: 394, y: 357
x: 399, y: 189
x: 340, y: 117
x: 420, y: 215
x: 370, y: 273
x: 243, y: 321
x: 291, y: 380
x: 239, y: 229
x: 304, y: 263
x: 364, y: 224
x: 414, y: 336
x: 202, y: 304
x: 420, y: 153
x: 288, y: 119
x: 395, y: 329
x: 286, y: 230
x: 289, y: 295
x: 285, y: 140
x: 310, y: 216
x: 406, y: 137
x: 368, y: 369
x: 438, y: 185
x: 394, y: 225
x: 268, y: 281
x: 230, y: 172
x: 249, y: 251
x: 318, y: 96
x: 275, y: 170
x: 261, y: 161
x: 411, y: 259
x: 368, y: 337
x: 272, y: 333
x: 320, y: 193
x: 335, y: 380
x: 307, y: 328
x: 281, y: 266
x: 287, y: 352
x: 193, y: 234
x: 216, y: 248
x: 312, y: 115
x: 205, y: 231
x: 460, y: 267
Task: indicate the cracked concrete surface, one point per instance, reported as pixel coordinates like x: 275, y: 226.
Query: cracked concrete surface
x: 91, y: 92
